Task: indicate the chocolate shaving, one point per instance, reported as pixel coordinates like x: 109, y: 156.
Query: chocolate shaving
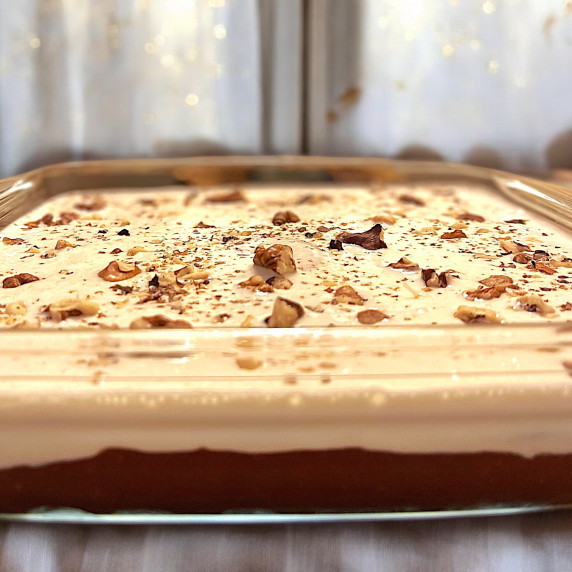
x: 124, y: 232
x: 371, y: 239
x: 335, y: 245
x: 516, y: 221
x: 154, y: 282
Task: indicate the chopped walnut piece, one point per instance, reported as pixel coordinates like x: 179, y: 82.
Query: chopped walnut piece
x: 67, y: 217
x: 16, y: 309
x: 470, y: 217
x: 412, y: 200
x: 474, y: 315
x: 541, y: 267
x: 371, y: 239
x: 371, y: 316
x: 133, y: 251
x: 278, y: 257
x: 228, y: 197
x: 256, y: 282
x: 283, y: 217
x: 279, y: 282
x: 425, y: 230
x: 534, y: 303
x: 18, y: 280
x: 497, y: 280
x: 522, y: 257
x: 434, y: 280
x: 347, y: 295
x: 565, y: 262
x: 96, y: 204
x: 452, y: 235
x: 486, y: 293
x: 61, y: 244
x: 248, y: 322
x: 158, y: 321
x: 248, y: 362
x: 335, y: 245
x: 72, y: 307
x: 10, y: 241
x: 566, y: 307
x: 285, y: 313
x: 512, y: 246
x: 203, y: 225
x: 384, y: 218
x: 47, y: 219
x: 117, y: 271
x: 405, y: 264
x: 516, y: 221
x: 459, y: 225
x: 167, y: 279
x: 188, y: 273
x: 121, y: 288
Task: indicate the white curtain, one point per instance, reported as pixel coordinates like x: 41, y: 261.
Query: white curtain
x: 484, y: 81
x: 82, y: 79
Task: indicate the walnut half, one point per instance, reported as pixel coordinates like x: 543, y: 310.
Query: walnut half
x: 474, y: 315
x: 285, y: 313
x: 117, y: 271
x: 72, y: 307
x: 534, y: 303
x: 283, y: 217
x: 278, y: 257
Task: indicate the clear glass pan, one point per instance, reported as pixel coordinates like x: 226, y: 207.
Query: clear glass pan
x: 21, y: 194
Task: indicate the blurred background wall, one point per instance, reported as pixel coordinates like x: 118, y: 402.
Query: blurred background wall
x: 487, y: 82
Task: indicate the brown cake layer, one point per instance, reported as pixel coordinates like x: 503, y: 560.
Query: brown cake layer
x: 206, y: 481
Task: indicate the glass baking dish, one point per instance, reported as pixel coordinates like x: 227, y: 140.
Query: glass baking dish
x: 98, y: 376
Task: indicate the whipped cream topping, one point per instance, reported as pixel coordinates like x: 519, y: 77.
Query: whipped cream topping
x: 408, y: 392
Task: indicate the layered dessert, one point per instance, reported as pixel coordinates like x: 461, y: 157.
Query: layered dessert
x: 286, y: 349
